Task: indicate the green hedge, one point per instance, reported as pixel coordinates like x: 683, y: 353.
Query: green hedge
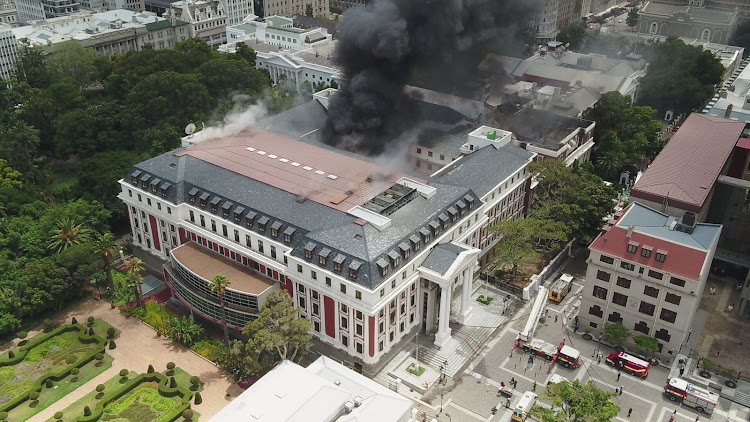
x: 163, y: 389
x: 39, y: 339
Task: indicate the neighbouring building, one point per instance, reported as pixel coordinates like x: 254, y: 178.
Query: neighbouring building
x: 276, y: 31
x: 648, y: 270
x: 29, y: 10
x: 8, y: 51
x: 325, y: 391
x: 682, y: 20
x: 548, y: 19
x: 742, y: 6
x: 8, y: 13
x: 108, y: 33
x: 732, y: 101
x: 286, y: 8
x: 206, y: 19
x: 369, y: 255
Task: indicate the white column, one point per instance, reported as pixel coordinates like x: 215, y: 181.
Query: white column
x: 444, y: 332
x: 466, y: 280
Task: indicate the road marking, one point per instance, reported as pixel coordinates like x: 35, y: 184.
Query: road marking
x: 583, y: 371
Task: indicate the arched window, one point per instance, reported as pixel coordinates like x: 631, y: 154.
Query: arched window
x: 653, y: 28
x: 706, y: 35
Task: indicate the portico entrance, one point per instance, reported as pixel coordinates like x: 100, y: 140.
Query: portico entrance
x: 448, y: 267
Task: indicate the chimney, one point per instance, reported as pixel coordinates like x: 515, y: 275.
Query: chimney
x: 357, y: 401
x: 728, y: 112
x: 348, y: 407
x: 543, y: 51
x: 630, y: 232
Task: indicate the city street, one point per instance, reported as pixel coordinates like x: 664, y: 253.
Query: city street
x: 475, y: 393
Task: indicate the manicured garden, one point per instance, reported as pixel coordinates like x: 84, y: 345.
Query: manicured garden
x: 48, y: 366
x: 149, y: 397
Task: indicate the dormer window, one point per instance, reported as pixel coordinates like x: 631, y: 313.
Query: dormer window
x: 203, y: 200
x: 288, y: 234
x: 461, y: 207
x: 215, y: 204
x: 435, y: 228
x: 275, y: 229
x: 646, y: 251
x: 395, y: 258
x: 443, y: 221
x: 225, y: 208
x: 383, y: 265
x: 425, y: 235
x: 453, y: 213
x: 134, y: 179
x: 632, y: 247
x: 238, y: 214
x: 661, y: 255
x: 405, y: 250
x: 415, y: 242
x: 354, y: 269
x: 165, y: 189
x: 262, y: 223
x: 470, y: 200
x: 323, y: 256
x: 309, y: 248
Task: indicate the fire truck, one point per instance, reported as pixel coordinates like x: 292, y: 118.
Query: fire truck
x: 566, y: 355
x: 691, y: 395
x: 629, y: 363
x: 560, y: 288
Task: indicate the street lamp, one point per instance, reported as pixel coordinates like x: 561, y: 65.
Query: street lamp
x: 599, y: 346
x: 441, y: 403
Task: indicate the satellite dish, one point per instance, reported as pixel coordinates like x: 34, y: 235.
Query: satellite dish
x: 190, y: 129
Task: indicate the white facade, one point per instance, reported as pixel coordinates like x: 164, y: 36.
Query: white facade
x: 28, y: 10
x: 289, y: 8
x: 206, y: 19
x: 8, y: 13
x: 8, y: 51
x: 277, y: 31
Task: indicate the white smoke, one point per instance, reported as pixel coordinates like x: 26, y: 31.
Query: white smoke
x: 237, y: 120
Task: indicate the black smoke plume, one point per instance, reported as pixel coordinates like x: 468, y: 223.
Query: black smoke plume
x: 380, y: 45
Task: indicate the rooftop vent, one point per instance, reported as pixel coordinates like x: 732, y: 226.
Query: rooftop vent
x: 630, y: 232
x: 357, y: 401
x: 348, y: 407
x: 301, y: 199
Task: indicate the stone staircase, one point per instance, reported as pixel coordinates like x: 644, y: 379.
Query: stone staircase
x: 466, y: 343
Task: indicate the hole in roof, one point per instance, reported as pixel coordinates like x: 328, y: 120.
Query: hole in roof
x: 320, y: 172
x: 296, y: 164
x: 250, y: 149
x: 308, y: 168
x: 271, y: 156
x: 262, y: 152
x: 173, y: 165
x: 358, y: 236
x: 283, y: 160
x: 332, y: 176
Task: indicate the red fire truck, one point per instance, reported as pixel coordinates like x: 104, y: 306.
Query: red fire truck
x: 629, y: 363
x: 691, y: 395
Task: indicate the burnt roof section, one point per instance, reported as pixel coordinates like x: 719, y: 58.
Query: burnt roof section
x: 544, y: 128
x: 686, y: 169
x: 391, y: 199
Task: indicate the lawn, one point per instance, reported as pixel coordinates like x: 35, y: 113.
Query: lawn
x: 50, y: 358
x: 136, y: 398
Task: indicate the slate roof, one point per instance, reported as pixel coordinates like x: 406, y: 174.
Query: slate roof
x: 686, y: 169
x: 490, y: 160
x: 442, y: 257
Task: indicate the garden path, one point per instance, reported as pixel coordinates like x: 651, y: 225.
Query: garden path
x: 137, y: 347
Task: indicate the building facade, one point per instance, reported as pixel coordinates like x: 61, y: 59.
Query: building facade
x: 673, y: 20
x: 8, y: 51
x: 648, y: 270
x: 291, y: 8
x: 8, y: 13
x: 206, y: 19
x: 368, y: 255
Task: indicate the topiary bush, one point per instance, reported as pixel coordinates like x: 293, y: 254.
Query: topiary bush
x: 100, y: 388
x: 75, y: 371
x: 91, y: 321
x: 198, y: 398
x: 91, y: 331
x: 71, y: 359
x: 49, y: 383
x: 172, y: 382
x: 195, y: 381
x: 112, y: 345
x: 150, y: 369
x: 48, y: 325
x: 124, y: 372
x: 58, y: 415
x: 187, y: 414
x: 22, y: 335
x: 86, y: 411
x: 110, y: 332
x: 34, y: 397
x: 170, y: 365
x: 11, y: 354
x: 74, y: 321
x: 3, y: 416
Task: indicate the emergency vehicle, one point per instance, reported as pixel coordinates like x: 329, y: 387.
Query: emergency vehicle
x: 565, y: 355
x: 691, y: 395
x: 560, y: 288
x: 522, y: 409
x: 629, y: 363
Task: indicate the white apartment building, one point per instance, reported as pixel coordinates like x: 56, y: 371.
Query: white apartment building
x: 207, y: 19
x: 45, y: 9
x: 648, y: 270
x: 350, y: 241
x: 8, y: 51
x: 277, y: 31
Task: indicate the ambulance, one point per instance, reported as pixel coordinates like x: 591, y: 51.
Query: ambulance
x: 522, y: 409
x: 691, y: 395
x: 629, y: 363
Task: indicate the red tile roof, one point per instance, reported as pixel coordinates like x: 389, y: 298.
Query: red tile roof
x: 688, y: 166
x: 316, y: 173
x: 682, y: 261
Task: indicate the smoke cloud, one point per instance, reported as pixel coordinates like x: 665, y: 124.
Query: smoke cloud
x: 238, y: 119
x: 380, y: 45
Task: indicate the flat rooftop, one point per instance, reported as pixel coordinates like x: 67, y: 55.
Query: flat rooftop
x: 208, y: 265
x: 335, y: 180
x: 543, y: 128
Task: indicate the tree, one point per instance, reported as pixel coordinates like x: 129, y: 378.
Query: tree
x: 680, y: 77
x: 741, y: 36
x: 243, y: 51
x: 30, y: 68
x: 572, y: 196
x: 97, y: 180
x: 72, y: 60
x: 223, y: 77
x: 276, y: 334
x: 527, y: 34
x: 646, y: 343
x: 134, y: 267
x: 632, y: 19
x: 309, y: 10
x: 523, y: 239
x: 616, y: 333
x: 575, y: 401
x: 68, y: 232
x: 10, y: 178
x: 195, y: 51
x: 574, y: 34
x: 105, y: 246
x: 219, y: 285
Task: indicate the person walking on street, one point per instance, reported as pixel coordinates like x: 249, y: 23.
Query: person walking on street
x: 671, y: 419
x: 618, y: 375
x: 630, y: 411
x: 621, y: 389
x: 534, y: 387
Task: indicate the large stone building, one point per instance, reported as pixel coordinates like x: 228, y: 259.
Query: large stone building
x: 368, y: 254
x: 648, y: 270
x: 695, y: 22
x: 109, y: 33
x: 29, y: 10
x: 206, y: 19
x: 290, y: 8
x: 276, y: 31
x: 8, y: 51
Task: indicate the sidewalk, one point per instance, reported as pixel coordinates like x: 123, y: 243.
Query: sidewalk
x: 137, y: 347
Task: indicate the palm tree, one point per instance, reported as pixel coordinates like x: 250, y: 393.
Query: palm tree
x: 67, y: 233
x: 219, y: 286
x: 106, y: 247
x: 134, y: 267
